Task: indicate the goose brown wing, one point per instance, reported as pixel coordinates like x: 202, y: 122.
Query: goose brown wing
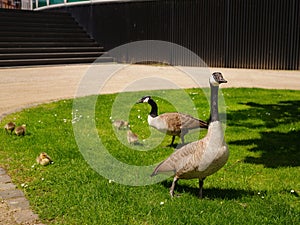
x: 172, y: 120
x: 178, y: 121
x: 183, y: 160
x: 189, y: 122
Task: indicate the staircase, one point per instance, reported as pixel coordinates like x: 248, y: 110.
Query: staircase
x: 44, y: 38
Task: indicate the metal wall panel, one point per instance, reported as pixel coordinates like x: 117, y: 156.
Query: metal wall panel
x: 263, y: 34
x: 260, y: 34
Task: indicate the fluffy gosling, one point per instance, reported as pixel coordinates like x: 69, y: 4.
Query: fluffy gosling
x: 120, y: 124
x: 132, y: 138
x: 10, y: 127
x: 21, y: 130
x: 44, y: 159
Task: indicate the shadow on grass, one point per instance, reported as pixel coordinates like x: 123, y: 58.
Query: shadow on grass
x: 210, y: 193
x: 279, y: 149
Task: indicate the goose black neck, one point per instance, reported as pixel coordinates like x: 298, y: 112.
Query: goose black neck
x: 214, y: 111
x: 153, y: 112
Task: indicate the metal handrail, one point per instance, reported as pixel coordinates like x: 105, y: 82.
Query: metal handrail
x: 65, y: 3
x: 35, y: 4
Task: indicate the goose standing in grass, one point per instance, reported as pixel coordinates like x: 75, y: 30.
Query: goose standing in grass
x: 44, y: 159
x: 172, y: 123
x: 132, y: 138
x: 204, y: 157
x: 21, y: 130
x: 9, y: 127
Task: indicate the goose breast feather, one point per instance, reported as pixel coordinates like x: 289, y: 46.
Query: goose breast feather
x: 158, y: 123
x: 197, y: 159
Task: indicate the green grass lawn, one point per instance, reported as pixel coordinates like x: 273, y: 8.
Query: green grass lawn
x: 260, y: 184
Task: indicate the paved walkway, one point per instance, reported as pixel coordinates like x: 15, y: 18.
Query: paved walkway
x: 24, y: 87
x: 14, y: 207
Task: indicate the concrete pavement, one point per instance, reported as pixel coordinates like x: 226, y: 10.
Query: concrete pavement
x: 23, y: 87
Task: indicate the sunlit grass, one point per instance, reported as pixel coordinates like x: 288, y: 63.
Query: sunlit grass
x: 259, y: 184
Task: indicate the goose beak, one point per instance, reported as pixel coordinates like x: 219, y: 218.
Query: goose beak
x: 139, y: 101
x: 219, y: 77
x: 222, y: 81
x: 144, y: 99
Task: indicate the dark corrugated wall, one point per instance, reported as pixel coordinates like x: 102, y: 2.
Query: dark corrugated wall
x: 260, y: 34
x: 263, y: 34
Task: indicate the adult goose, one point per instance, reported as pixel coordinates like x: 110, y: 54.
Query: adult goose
x: 204, y: 157
x: 172, y: 123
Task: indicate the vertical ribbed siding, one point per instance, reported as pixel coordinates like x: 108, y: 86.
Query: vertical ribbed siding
x: 195, y: 25
x: 263, y: 34
x: 294, y: 38
x: 258, y: 34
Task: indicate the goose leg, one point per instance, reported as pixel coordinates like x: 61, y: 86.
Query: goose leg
x: 183, y: 132
x: 182, y: 138
x: 201, y: 182
x: 173, y: 186
x: 172, y: 143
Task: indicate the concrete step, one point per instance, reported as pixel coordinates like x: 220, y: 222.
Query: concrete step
x: 50, y: 49
x: 19, y: 33
x: 5, y: 44
x: 27, y: 62
x: 46, y: 39
x: 50, y: 55
x: 42, y: 38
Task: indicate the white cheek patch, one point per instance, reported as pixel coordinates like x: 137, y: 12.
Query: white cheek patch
x: 146, y: 99
x: 213, y: 81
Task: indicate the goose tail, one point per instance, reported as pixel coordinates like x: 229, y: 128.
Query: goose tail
x: 203, y: 124
x: 155, y: 172
x: 163, y: 167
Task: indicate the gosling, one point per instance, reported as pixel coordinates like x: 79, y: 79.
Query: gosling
x: 44, y: 159
x: 10, y: 127
x: 119, y: 124
x: 132, y: 138
x: 21, y: 130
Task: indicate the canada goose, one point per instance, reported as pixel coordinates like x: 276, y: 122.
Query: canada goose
x: 44, y: 159
x: 173, y: 123
x: 10, y: 127
x: 21, y: 130
x: 132, y: 138
x: 204, y: 157
x: 120, y: 124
